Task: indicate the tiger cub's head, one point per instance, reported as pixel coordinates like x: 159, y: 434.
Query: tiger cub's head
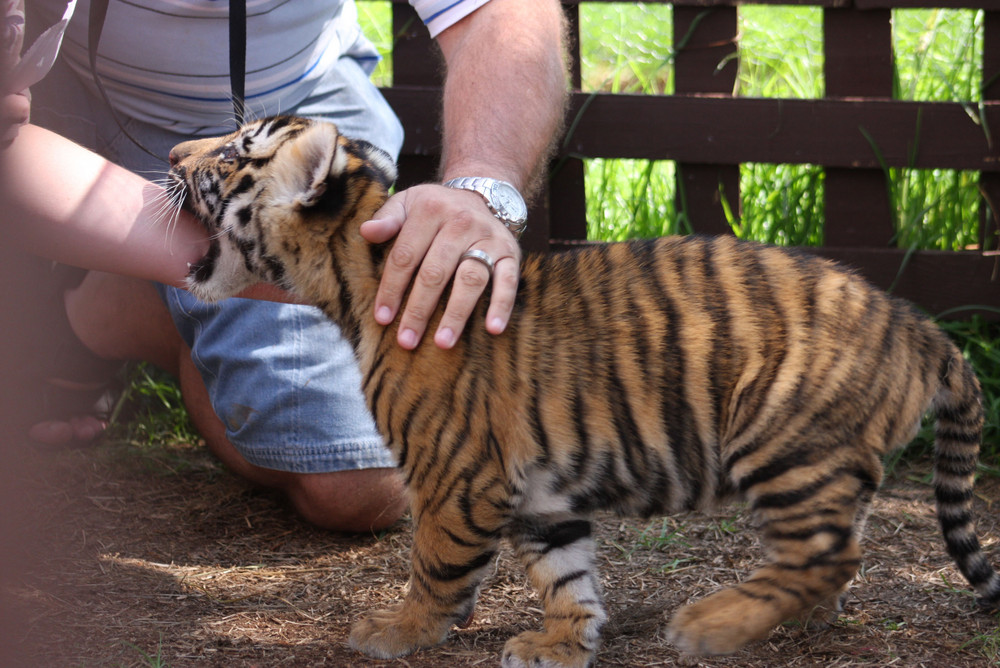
x: 270, y: 192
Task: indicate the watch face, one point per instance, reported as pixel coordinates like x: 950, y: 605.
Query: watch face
x: 508, y: 202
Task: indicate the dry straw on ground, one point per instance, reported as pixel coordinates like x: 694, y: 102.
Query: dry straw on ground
x: 143, y: 557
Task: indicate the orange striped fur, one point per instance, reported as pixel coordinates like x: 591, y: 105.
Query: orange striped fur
x: 645, y: 377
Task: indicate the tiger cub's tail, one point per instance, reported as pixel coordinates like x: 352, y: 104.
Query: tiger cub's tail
x: 958, y: 408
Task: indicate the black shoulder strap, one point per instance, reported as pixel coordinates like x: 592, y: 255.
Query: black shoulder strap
x: 237, y: 59
x: 238, y: 56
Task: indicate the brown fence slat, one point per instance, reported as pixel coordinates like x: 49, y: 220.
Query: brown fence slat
x: 857, y: 49
x: 566, y: 202
x: 565, y: 198
x: 705, y: 40
x: 702, y: 191
x: 991, y: 54
x: 924, y: 4
x: 831, y: 132
x: 705, y: 62
x: 414, y: 61
x: 725, y: 130
x: 857, y: 209
x: 989, y: 182
x: 860, y: 4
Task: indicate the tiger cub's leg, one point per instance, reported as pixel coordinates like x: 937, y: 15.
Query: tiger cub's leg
x: 811, y: 539
x: 447, y: 567
x: 828, y: 610
x: 558, y: 553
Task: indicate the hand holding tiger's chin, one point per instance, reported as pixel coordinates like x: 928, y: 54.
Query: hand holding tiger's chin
x: 645, y: 377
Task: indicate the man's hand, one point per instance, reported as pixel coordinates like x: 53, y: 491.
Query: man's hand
x: 434, y: 226
x: 503, y: 105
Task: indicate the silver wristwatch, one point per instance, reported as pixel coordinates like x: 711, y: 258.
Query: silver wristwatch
x: 502, y: 199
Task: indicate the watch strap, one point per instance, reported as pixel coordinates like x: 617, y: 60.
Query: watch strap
x: 484, y: 186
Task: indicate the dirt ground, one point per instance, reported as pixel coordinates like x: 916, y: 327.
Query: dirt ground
x: 121, y: 556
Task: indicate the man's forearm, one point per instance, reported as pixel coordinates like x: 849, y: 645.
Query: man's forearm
x: 504, y: 101
x: 505, y: 92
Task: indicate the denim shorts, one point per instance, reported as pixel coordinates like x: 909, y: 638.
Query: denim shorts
x: 281, y: 378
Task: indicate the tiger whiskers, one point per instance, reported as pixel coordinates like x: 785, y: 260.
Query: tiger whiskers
x: 167, y: 203
x: 250, y: 114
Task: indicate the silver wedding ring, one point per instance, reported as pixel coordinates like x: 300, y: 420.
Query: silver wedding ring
x: 479, y: 256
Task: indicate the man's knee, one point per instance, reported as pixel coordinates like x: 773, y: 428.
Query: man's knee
x: 358, y: 500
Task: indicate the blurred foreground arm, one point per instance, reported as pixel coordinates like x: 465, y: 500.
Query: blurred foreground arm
x: 63, y: 202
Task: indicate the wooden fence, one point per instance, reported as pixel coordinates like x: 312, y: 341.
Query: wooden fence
x: 709, y: 132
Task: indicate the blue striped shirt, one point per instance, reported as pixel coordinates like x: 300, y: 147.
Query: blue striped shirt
x: 166, y: 62
x: 439, y: 14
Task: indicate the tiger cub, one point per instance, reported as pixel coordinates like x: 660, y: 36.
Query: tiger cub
x: 645, y: 377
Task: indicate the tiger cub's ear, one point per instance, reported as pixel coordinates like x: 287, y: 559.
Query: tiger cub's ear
x: 382, y: 165
x: 307, y: 161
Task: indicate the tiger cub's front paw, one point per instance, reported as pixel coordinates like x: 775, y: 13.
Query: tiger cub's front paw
x: 392, y: 633
x: 544, y: 650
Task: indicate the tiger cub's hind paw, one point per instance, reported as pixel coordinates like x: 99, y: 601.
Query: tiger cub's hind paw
x: 719, y: 624
x: 543, y: 650
x: 825, y: 613
x: 391, y: 633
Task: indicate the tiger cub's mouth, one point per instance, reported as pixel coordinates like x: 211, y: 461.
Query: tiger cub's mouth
x: 205, y: 278
x: 177, y: 177
x: 201, y: 270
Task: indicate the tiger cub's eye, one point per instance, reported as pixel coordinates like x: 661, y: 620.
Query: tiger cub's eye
x: 228, y: 153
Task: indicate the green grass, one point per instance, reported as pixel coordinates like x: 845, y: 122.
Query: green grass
x: 938, y: 57
x: 989, y: 645
x: 634, y: 190
x: 938, y: 54
x: 151, y: 660
x: 935, y: 208
x: 780, y: 52
x: 375, y: 18
x: 781, y: 204
x: 628, y: 48
x: 151, y: 410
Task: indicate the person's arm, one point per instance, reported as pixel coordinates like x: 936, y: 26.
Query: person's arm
x: 504, y: 100
x: 63, y: 202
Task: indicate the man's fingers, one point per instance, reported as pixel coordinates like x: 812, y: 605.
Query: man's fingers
x: 436, y: 269
x: 380, y: 230
x: 434, y: 227
x: 506, y: 276
x: 471, y: 279
x: 404, y: 259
